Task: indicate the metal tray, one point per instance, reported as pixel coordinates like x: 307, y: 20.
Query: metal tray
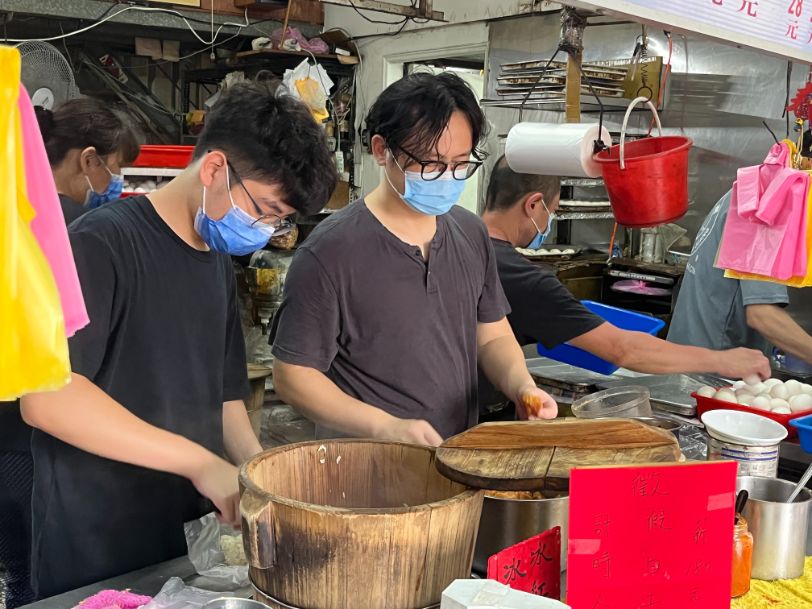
x: 669, y: 392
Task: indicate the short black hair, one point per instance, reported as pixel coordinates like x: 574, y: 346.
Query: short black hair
x: 806, y: 143
x: 272, y: 137
x: 84, y: 122
x: 507, y: 187
x: 412, y: 113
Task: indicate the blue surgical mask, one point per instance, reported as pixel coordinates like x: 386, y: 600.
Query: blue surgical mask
x: 236, y: 233
x: 111, y: 193
x: 430, y: 197
x: 541, y: 236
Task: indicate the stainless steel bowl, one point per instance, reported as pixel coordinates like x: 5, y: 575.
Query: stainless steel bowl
x: 506, y: 522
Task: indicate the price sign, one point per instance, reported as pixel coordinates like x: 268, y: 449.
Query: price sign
x: 780, y: 27
x: 531, y: 566
x: 658, y: 537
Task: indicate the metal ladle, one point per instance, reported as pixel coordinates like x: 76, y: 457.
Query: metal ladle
x: 801, y: 484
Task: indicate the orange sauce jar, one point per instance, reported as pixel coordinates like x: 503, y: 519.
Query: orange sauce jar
x: 742, y: 558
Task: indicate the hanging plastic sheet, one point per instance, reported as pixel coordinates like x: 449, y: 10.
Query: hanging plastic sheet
x: 33, y: 347
x: 766, y: 224
x: 48, y: 224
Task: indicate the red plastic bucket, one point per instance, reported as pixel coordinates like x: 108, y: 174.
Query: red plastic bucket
x: 647, y: 180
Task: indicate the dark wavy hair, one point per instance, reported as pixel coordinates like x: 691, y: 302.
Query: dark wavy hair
x: 272, y: 138
x: 84, y: 122
x: 412, y: 113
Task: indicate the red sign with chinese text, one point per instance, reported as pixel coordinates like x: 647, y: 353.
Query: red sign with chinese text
x: 658, y: 537
x: 531, y: 566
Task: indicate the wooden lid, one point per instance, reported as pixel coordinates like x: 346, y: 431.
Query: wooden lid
x: 538, y: 455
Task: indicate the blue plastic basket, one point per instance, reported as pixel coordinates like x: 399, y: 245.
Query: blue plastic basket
x: 623, y: 319
x: 804, y: 427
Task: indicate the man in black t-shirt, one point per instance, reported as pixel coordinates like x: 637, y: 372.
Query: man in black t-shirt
x: 389, y: 304
x: 519, y: 209
x: 152, y: 423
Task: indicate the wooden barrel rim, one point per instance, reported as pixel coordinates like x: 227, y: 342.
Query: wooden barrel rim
x: 249, y: 484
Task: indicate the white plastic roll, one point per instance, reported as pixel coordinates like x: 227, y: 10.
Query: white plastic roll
x: 556, y: 149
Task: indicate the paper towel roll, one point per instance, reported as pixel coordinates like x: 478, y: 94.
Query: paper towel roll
x: 557, y: 149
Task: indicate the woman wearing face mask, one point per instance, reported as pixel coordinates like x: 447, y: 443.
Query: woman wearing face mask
x: 87, y: 144
x: 390, y: 302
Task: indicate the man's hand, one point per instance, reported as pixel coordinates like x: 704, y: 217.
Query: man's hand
x: 533, y: 404
x: 742, y: 363
x: 413, y: 431
x: 217, y: 479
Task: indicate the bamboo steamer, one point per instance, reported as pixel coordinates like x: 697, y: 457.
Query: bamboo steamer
x: 351, y: 524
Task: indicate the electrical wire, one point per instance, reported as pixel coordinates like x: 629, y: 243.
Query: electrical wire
x: 145, y: 9
x: 371, y: 20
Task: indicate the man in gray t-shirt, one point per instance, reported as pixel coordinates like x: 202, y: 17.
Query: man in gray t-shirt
x: 714, y: 311
x: 390, y: 304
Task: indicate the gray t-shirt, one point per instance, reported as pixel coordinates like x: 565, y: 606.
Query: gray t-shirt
x: 710, y: 309
x: 389, y: 328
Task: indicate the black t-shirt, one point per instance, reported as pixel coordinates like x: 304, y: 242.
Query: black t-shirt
x: 165, y: 341
x: 542, y: 309
x: 389, y: 328
x: 71, y: 209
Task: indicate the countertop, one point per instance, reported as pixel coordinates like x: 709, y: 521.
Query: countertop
x: 148, y: 580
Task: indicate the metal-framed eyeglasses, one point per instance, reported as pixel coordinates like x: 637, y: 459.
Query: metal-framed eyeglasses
x: 279, y: 224
x: 432, y: 170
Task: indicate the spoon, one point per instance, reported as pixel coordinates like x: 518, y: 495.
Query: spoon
x: 801, y: 484
x: 741, y: 500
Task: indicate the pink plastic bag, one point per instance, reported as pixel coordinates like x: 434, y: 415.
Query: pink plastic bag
x: 48, y: 224
x: 765, y: 231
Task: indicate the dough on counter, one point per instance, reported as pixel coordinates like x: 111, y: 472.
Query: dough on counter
x: 233, y: 550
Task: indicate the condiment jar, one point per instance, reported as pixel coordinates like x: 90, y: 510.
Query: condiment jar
x: 742, y: 558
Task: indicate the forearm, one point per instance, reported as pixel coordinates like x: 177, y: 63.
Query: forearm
x: 778, y: 327
x: 238, y: 435
x: 503, y: 362
x: 320, y: 400
x: 645, y: 353
x: 84, y: 416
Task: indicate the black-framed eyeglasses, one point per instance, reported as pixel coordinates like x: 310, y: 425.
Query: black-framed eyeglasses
x: 280, y: 225
x: 432, y: 170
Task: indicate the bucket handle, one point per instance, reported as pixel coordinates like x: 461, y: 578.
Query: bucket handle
x: 258, y: 530
x: 626, y: 122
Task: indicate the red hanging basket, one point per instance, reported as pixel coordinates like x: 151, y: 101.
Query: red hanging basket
x: 647, y: 180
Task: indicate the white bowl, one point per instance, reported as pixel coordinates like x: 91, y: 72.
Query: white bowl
x: 743, y: 428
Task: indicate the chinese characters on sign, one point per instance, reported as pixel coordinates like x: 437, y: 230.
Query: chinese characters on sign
x: 651, y: 537
x: 777, y: 26
x: 531, y: 566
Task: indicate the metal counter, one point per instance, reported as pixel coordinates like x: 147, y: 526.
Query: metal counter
x: 148, y: 580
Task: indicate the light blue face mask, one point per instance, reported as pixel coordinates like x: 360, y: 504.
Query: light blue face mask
x: 541, y: 236
x: 111, y: 193
x: 236, y: 233
x: 431, y: 197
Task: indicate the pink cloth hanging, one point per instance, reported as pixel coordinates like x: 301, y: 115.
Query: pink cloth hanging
x: 48, y: 225
x: 765, y: 231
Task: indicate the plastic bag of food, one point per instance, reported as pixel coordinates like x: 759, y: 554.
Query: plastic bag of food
x: 216, y: 551
x: 312, y: 85
x: 177, y: 595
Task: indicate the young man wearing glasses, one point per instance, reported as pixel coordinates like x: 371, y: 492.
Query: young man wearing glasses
x: 390, y: 302
x: 147, y: 434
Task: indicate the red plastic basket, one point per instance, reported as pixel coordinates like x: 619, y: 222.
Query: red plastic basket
x: 704, y: 405
x: 175, y: 157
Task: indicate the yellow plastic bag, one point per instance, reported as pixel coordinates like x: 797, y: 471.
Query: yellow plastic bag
x: 793, y: 282
x: 33, y: 347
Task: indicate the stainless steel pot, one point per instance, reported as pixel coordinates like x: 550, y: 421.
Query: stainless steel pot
x: 778, y: 528
x: 506, y: 522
